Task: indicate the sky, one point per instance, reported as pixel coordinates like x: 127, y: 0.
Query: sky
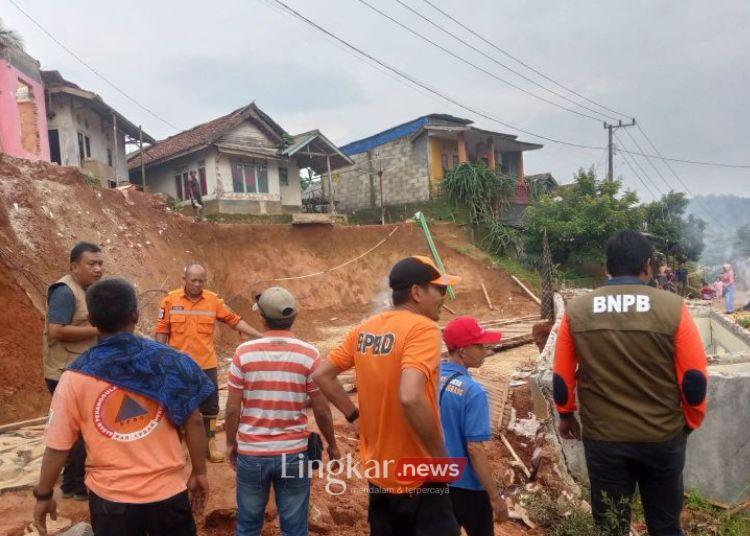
x: 680, y: 67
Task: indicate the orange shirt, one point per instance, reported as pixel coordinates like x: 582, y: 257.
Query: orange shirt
x: 379, y: 349
x: 190, y: 324
x: 133, y: 452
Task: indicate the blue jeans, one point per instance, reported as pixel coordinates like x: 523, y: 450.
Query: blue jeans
x: 729, y: 297
x: 292, y: 491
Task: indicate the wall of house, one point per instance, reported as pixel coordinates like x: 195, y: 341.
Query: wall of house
x: 405, y: 176
x: 69, y: 116
x: 23, y: 118
x: 161, y: 178
x: 288, y: 196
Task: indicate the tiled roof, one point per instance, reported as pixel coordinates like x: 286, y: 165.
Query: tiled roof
x: 199, y: 136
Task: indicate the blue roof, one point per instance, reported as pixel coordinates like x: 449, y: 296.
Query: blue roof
x: 394, y: 133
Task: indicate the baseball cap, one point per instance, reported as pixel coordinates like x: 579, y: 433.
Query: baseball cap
x: 276, y: 303
x: 418, y: 270
x: 465, y: 330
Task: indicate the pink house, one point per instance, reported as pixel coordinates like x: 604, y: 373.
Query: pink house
x: 23, y: 117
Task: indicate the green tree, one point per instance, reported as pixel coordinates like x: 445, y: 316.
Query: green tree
x: 579, y: 217
x: 672, y: 233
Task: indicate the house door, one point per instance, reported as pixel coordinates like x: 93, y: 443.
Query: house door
x: 54, y: 146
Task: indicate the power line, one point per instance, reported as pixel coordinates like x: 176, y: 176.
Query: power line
x: 501, y: 64
x: 90, y: 68
x: 509, y: 55
x: 638, y: 176
x: 474, y: 65
x: 669, y: 186
x: 643, y: 172
x: 423, y: 85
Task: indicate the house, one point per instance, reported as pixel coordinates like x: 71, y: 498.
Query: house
x: 415, y: 156
x: 23, y: 122
x: 246, y: 163
x: 84, y: 131
x: 526, y: 192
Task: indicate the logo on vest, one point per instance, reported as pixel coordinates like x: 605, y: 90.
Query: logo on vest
x: 622, y: 303
x: 126, y: 416
x: 380, y: 344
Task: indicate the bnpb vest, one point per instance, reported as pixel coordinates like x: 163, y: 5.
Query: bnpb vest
x: 624, y: 338
x: 57, y: 355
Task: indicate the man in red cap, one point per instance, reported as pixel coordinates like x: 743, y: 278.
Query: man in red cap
x: 465, y: 414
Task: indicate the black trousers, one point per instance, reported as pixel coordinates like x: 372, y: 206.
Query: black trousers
x: 426, y: 512
x: 210, y: 406
x: 74, y: 473
x: 170, y: 517
x: 615, y: 468
x: 473, y: 511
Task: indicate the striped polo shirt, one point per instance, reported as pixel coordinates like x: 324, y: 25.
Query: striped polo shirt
x: 274, y: 374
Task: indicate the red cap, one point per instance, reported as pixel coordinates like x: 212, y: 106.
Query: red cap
x: 465, y: 330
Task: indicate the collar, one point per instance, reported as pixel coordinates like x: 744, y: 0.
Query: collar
x: 124, y: 336
x: 625, y: 280
x: 279, y: 333
x: 188, y: 298
x: 450, y: 366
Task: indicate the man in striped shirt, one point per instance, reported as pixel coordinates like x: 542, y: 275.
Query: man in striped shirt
x: 270, y: 382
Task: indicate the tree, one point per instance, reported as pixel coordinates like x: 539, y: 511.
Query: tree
x: 579, y: 218
x: 672, y: 233
x: 742, y: 243
x: 9, y: 38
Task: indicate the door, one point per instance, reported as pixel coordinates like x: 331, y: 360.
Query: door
x: 54, y: 146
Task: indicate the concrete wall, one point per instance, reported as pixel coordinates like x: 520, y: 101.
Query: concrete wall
x: 23, y: 125
x: 71, y: 116
x: 161, y: 178
x: 405, y: 176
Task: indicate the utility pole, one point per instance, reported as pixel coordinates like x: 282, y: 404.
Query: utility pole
x: 611, y: 147
x: 380, y: 179
x: 143, y: 165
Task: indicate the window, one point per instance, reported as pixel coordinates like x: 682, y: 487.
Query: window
x: 109, y: 157
x: 111, y: 183
x: 283, y: 176
x: 202, y: 177
x: 84, y: 147
x: 444, y: 162
x: 178, y: 186
x: 250, y: 178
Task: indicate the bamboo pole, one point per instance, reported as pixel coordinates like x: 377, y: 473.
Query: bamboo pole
x: 531, y: 294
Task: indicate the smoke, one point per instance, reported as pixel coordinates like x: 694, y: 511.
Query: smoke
x: 382, y: 299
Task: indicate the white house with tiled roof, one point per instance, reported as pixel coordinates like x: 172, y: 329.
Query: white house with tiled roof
x: 246, y: 163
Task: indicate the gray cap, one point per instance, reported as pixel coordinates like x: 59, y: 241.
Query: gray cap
x: 276, y: 303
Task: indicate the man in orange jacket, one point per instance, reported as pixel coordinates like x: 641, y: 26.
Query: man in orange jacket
x: 637, y: 361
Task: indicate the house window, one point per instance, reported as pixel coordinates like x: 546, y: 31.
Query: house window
x: 202, y: 177
x: 178, y: 186
x: 283, y: 176
x: 250, y: 178
x: 84, y: 147
x: 111, y: 183
x: 444, y: 162
x: 109, y: 157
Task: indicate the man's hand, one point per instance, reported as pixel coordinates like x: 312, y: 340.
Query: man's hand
x: 41, y: 509
x: 569, y: 428
x: 231, y: 454
x: 500, y: 509
x: 197, y: 486
x: 333, y: 452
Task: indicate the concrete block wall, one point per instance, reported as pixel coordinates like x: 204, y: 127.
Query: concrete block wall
x: 405, y: 176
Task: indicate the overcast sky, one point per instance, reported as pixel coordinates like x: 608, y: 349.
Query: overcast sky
x: 681, y: 67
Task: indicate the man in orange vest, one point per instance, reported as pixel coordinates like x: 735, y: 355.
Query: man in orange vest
x: 187, y: 320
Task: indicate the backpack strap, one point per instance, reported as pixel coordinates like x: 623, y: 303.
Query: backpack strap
x: 445, y: 385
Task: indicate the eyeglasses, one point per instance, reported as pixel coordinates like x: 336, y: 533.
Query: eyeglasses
x: 442, y: 289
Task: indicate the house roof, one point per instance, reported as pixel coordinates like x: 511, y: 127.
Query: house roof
x: 316, y: 147
x: 55, y: 83
x: 546, y: 178
x: 416, y: 127
x: 203, y: 135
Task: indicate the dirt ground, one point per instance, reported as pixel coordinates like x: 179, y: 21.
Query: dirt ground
x: 45, y: 210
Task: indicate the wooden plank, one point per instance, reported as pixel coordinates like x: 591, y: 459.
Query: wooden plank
x: 487, y: 296
x: 20, y: 424
x: 525, y: 288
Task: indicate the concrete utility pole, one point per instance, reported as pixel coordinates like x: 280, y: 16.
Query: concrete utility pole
x: 380, y: 179
x: 140, y: 150
x: 611, y: 147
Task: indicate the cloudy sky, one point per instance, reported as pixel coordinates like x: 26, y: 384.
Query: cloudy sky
x: 680, y: 67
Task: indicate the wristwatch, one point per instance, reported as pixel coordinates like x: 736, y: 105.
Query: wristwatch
x: 42, y: 496
x: 353, y: 416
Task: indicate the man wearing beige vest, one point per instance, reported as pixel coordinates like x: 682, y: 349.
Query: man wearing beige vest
x: 67, y: 335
